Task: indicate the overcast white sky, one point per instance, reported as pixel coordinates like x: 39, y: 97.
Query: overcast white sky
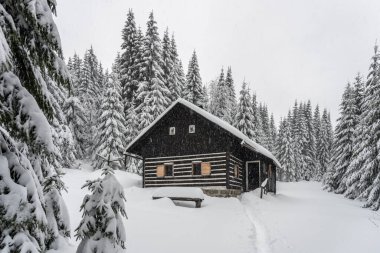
x: 286, y: 50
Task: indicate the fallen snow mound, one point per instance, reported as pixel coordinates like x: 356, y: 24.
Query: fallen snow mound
x: 178, y: 192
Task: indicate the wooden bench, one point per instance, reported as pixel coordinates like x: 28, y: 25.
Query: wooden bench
x: 197, y: 201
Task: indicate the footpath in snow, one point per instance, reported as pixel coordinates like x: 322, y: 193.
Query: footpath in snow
x: 303, y: 218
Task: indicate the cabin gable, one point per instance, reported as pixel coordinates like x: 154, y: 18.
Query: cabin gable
x: 207, y: 138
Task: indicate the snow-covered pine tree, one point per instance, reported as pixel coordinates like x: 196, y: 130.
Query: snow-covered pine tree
x: 101, y: 229
x: 168, y: 68
x: 285, y: 150
x: 364, y: 183
x: 110, y: 139
x: 323, y: 148
x: 212, y: 91
x: 302, y: 135
x: 310, y: 145
x: 296, y: 142
x: 29, y: 111
x: 152, y: 91
x: 317, y: 132
x: 177, y: 77
x: 221, y: 106
x: 193, y: 89
x: 90, y: 96
x: 264, y: 119
x: 129, y: 71
x: 355, y: 164
x: 206, y: 99
x: 76, y: 120
x: 272, y: 135
x: 258, y: 133
x: 181, y: 78
x: 244, y: 115
x: 343, y: 143
x: 232, y: 105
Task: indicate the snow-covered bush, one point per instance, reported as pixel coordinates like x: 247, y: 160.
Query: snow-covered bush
x: 101, y: 229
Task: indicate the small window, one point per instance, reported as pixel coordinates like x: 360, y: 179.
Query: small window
x: 168, y: 170
x: 236, y: 171
x: 191, y: 129
x: 197, y: 168
x: 164, y: 170
x: 171, y: 130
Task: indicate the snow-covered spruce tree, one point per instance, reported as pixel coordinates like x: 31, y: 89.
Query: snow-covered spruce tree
x: 264, y: 119
x: 232, y: 105
x: 109, y: 140
x: 258, y: 133
x: 177, y: 76
x: 152, y: 92
x: 89, y: 95
x: 168, y: 70
x: 193, y: 90
x: 324, y: 146
x: 302, y: 136
x: 358, y: 96
x: 317, y: 133
x: 243, y: 120
x: 129, y: 71
x: 343, y: 143
x: 364, y: 182
x: 224, y: 99
x: 272, y: 135
x: 76, y: 120
x: 101, y: 229
x: 285, y: 150
x: 221, y: 99
x: 310, y: 144
x: 30, y: 109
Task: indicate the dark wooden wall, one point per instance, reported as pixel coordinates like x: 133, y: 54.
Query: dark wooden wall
x: 182, y: 170
x: 233, y: 182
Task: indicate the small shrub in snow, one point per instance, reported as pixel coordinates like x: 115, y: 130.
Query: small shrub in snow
x: 101, y: 229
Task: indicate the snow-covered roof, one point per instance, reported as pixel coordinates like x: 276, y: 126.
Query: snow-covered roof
x: 245, y: 140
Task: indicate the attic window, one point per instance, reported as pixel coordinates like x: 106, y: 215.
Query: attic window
x: 171, y: 130
x: 191, y: 129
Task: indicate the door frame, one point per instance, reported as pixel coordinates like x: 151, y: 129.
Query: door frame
x: 246, y: 173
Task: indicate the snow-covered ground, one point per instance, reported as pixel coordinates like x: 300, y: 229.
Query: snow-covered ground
x: 300, y: 218
x: 303, y: 218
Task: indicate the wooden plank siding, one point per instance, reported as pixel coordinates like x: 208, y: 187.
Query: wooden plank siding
x: 235, y: 182
x: 183, y: 173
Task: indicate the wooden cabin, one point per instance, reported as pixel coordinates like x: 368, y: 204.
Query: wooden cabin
x: 188, y: 146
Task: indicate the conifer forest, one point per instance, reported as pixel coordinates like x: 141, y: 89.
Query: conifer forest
x: 69, y: 119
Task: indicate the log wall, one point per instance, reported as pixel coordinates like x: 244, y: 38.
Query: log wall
x: 183, y: 173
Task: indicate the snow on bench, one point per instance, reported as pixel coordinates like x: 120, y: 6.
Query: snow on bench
x: 181, y: 194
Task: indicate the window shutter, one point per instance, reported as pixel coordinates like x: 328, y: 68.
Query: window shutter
x: 206, y: 169
x: 160, y: 171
